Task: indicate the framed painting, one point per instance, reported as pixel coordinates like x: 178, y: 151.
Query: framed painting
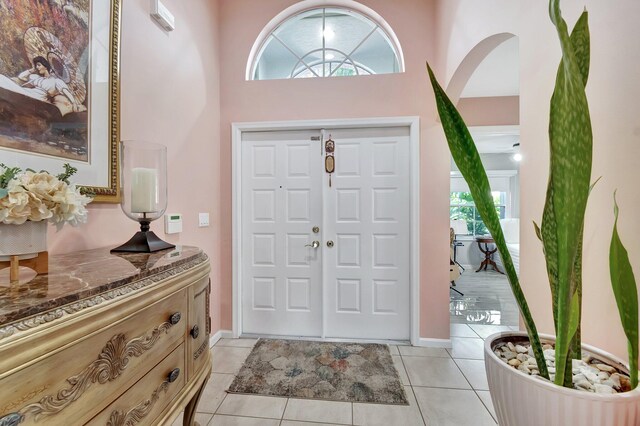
x: 59, y: 89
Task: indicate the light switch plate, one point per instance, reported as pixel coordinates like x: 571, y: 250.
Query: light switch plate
x: 203, y: 219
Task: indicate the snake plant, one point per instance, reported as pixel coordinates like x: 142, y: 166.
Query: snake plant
x: 569, y: 185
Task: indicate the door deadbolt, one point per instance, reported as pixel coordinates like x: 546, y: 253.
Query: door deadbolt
x: 315, y: 229
x: 329, y: 243
x: 314, y: 244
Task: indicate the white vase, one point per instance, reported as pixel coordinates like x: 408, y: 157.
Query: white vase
x: 523, y: 400
x: 24, y: 241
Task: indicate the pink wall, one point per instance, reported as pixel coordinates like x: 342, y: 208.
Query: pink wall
x: 406, y: 94
x: 490, y: 110
x: 170, y: 95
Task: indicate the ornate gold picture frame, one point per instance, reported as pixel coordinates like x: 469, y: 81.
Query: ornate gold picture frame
x: 60, y: 89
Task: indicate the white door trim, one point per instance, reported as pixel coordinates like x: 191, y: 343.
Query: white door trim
x: 236, y: 162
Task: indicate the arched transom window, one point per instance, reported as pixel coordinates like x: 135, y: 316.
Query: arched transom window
x: 326, y: 42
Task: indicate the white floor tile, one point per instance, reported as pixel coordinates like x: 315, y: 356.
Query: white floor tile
x: 214, y: 393
x: 393, y: 349
x: 466, y: 347
x: 462, y: 330
x: 253, y: 406
x: 228, y: 359
x: 420, y: 351
x: 485, y: 331
x: 452, y: 407
x: 434, y: 372
x: 202, y: 419
x: 312, y: 410
x: 237, y: 343
x: 220, y: 420
x: 402, y: 373
x: 475, y: 373
x: 385, y: 415
x: 297, y: 423
x: 485, y: 396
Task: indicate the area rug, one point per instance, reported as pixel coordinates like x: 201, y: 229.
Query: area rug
x: 321, y: 370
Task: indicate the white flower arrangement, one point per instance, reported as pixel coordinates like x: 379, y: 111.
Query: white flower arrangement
x: 36, y: 196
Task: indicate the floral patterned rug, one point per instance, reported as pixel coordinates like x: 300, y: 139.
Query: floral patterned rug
x: 321, y: 370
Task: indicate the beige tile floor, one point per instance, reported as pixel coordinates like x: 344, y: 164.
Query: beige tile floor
x: 444, y: 387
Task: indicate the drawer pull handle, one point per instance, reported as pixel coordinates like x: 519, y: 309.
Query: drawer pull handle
x: 175, y: 318
x: 195, y: 331
x: 13, y: 419
x: 173, y: 376
x: 142, y: 410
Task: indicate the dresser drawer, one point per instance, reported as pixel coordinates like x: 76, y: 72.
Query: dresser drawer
x: 143, y: 402
x: 78, y: 381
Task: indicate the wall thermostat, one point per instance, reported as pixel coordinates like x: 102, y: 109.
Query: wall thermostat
x: 161, y: 14
x: 172, y: 223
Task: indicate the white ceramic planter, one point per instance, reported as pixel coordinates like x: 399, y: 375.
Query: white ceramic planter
x: 522, y: 400
x: 25, y: 240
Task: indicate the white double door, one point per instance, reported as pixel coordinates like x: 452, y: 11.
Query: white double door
x: 356, y: 282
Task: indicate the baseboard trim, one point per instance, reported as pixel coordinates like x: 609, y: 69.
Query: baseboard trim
x: 220, y: 334
x: 426, y: 342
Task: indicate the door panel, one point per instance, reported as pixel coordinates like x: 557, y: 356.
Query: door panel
x: 359, y: 287
x: 281, y: 203
x: 367, y: 216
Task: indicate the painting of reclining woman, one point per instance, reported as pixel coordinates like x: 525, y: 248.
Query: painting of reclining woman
x: 44, y: 89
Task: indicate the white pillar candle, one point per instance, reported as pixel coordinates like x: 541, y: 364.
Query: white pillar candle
x: 144, y: 190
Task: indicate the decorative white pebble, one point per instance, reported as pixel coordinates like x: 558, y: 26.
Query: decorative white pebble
x: 514, y: 362
x: 604, y: 367
x: 615, y: 378
x: 604, y: 389
x: 508, y: 355
x: 521, y: 349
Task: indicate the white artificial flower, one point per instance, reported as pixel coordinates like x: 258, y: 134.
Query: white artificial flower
x: 39, y: 196
x: 15, y: 207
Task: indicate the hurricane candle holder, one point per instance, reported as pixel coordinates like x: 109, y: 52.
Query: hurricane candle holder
x: 144, y: 192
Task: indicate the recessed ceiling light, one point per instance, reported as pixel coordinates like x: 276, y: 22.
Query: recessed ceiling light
x: 328, y: 33
x: 517, y: 156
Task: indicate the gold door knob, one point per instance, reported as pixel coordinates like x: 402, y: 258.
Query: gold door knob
x: 314, y: 244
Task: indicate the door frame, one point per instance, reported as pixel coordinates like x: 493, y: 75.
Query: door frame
x: 412, y: 122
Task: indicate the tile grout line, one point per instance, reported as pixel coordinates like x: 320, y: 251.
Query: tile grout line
x: 418, y: 406
x: 475, y: 390
x: 405, y: 370
x: 285, y: 410
x: 411, y: 387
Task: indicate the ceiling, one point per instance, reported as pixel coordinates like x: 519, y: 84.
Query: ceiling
x: 495, y: 139
x: 498, y: 74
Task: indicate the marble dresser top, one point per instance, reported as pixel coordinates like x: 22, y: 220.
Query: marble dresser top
x: 76, y: 276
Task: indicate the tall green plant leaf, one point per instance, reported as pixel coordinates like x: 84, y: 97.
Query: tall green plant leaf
x: 467, y: 158
x: 626, y: 292
x: 571, y: 143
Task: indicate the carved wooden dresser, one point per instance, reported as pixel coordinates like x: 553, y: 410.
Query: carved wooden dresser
x: 106, y: 339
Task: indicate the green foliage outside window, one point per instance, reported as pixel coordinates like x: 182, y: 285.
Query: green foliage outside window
x: 462, y: 207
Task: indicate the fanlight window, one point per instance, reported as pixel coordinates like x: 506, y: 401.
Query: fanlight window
x: 326, y: 42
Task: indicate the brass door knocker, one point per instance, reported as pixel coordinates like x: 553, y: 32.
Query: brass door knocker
x: 329, y: 160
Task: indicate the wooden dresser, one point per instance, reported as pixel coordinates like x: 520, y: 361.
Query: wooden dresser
x: 106, y: 339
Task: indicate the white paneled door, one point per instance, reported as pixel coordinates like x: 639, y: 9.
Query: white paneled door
x: 350, y: 276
